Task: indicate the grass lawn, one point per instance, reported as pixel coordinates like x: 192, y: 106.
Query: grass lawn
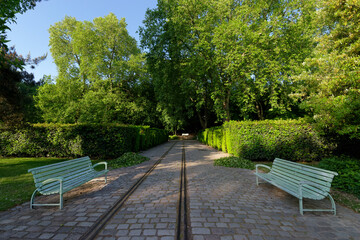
x: 16, y: 184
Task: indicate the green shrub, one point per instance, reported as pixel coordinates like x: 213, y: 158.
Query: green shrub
x: 294, y: 140
x: 127, y: 159
x: 348, y: 169
x: 73, y: 140
x: 174, y: 137
x: 234, y: 162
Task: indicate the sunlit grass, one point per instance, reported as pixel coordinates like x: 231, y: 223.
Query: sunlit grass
x: 16, y: 184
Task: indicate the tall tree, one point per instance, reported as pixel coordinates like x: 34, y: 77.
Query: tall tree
x: 100, y: 70
x: 331, y: 77
x: 230, y: 52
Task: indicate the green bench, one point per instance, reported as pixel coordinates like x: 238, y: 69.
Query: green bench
x: 60, y: 178
x: 299, y: 180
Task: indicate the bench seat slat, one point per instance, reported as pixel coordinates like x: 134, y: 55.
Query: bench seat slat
x: 54, y: 165
x: 302, y: 172
x: 62, y: 168
x: 69, y: 185
x: 312, y: 169
x: 312, y: 191
x: 292, y: 188
x: 301, y: 177
x: 66, y: 178
x: 69, y: 171
x: 87, y: 177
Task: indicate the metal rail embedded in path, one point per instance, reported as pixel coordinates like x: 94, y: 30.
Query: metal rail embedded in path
x: 105, y: 218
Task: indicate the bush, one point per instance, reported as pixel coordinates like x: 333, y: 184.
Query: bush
x: 294, y: 140
x: 127, y: 159
x: 73, y: 140
x: 348, y: 169
x: 234, y: 162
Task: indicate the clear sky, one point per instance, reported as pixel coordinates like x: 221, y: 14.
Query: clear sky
x: 30, y: 33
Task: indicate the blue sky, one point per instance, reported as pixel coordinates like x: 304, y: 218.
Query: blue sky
x: 30, y: 33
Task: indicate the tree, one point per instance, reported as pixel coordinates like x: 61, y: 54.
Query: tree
x: 227, y: 52
x: 8, y: 10
x: 101, y: 71
x: 15, y: 100
x: 332, y: 95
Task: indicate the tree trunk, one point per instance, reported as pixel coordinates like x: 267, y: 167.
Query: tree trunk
x: 260, y: 110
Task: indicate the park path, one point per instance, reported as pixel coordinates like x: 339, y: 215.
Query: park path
x: 223, y: 203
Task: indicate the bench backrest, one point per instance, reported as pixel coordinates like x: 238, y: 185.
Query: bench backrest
x: 296, y: 172
x: 68, y: 169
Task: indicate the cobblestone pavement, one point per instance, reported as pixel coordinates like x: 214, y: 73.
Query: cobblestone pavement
x: 80, y: 212
x: 224, y: 203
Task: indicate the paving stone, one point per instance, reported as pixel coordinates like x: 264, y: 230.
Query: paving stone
x: 46, y: 236
x: 60, y: 236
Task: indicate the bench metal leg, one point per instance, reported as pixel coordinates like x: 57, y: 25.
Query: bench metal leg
x: 105, y: 177
x: 332, y: 204
x: 333, y: 209
x: 301, y: 206
x: 32, y: 199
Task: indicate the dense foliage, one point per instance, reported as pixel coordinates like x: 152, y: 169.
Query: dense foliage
x: 127, y: 159
x: 234, y: 162
x: 331, y: 77
x: 72, y: 140
x: 102, y: 78
x: 228, y: 59
x: 204, y: 63
x: 348, y: 169
x: 265, y: 140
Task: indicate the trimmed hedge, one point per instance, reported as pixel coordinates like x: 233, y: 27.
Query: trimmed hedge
x: 293, y: 140
x: 73, y: 140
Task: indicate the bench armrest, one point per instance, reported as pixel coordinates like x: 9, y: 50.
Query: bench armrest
x: 97, y: 164
x: 262, y: 165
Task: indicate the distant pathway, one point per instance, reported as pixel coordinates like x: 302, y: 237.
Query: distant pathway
x: 223, y: 203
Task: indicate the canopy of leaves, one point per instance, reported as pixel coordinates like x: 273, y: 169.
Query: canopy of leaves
x: 228, y: 58
x: 331, y: 77
x: 101, y: 74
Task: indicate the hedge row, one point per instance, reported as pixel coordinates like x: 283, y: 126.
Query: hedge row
x: 73, y: 140
x: 294, y: 140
